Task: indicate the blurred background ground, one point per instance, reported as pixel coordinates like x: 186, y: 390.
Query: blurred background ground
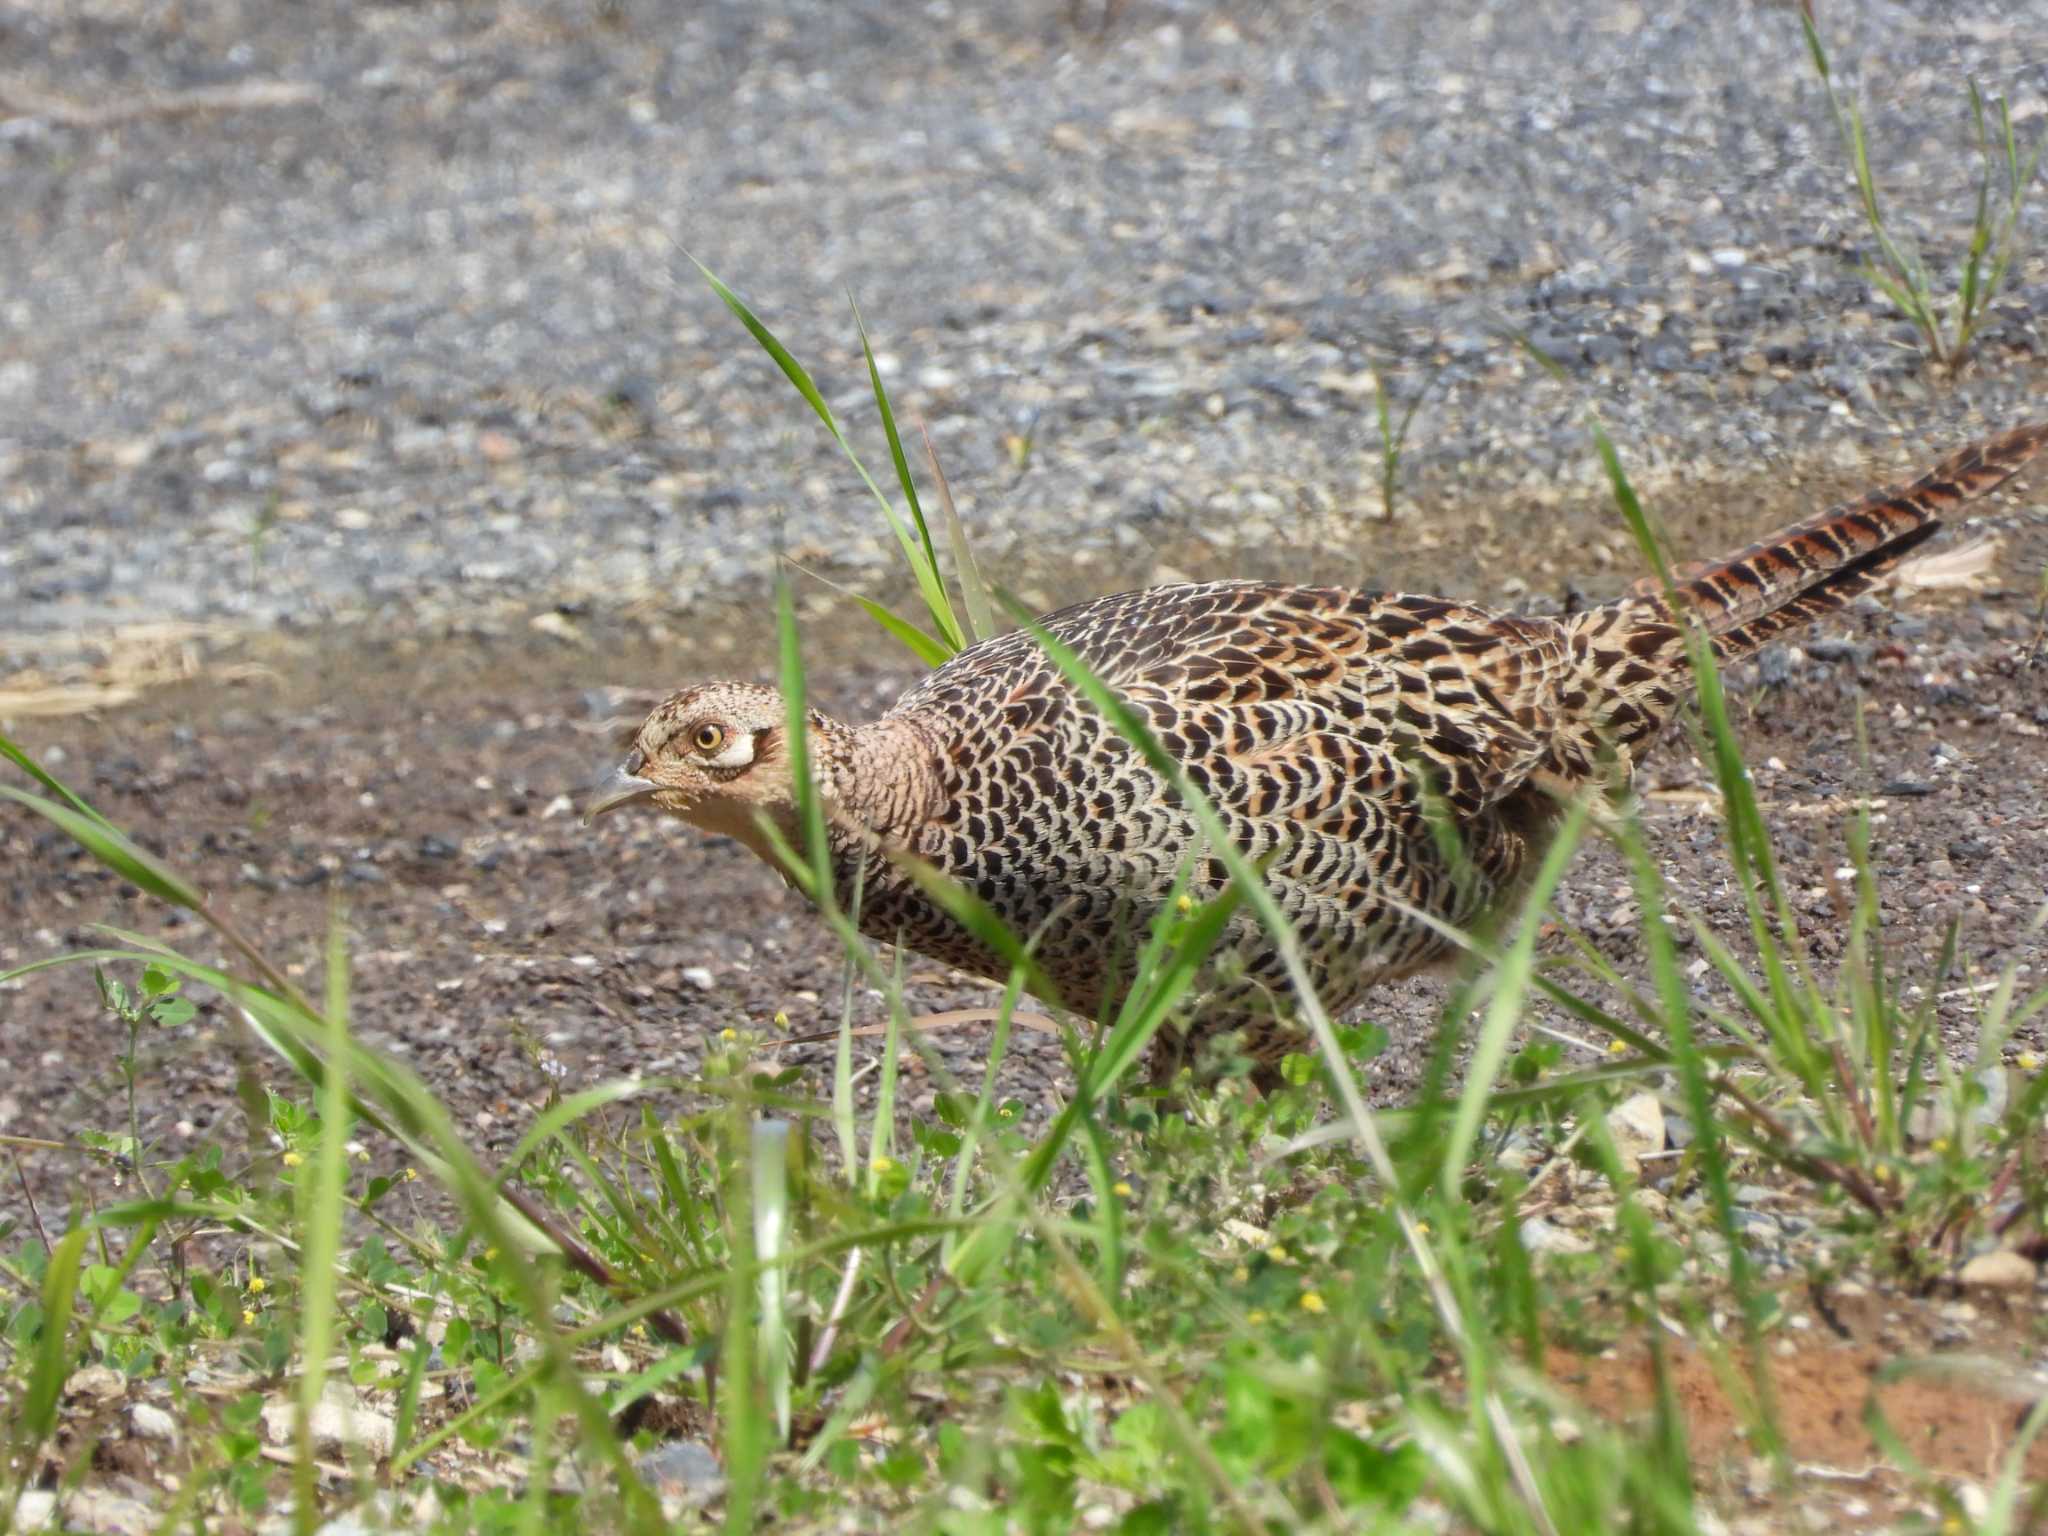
x: 344, y: 310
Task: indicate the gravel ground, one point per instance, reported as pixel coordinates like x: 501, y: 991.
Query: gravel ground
x: 343, y: 310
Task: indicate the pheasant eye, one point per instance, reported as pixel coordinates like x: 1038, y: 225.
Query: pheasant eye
x: 710, y: 737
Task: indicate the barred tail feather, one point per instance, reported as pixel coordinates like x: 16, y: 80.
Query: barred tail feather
x: 1626, y: 666
x: 1819, y: 564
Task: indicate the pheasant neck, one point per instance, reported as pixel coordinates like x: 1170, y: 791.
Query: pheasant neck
x: 889, y: 777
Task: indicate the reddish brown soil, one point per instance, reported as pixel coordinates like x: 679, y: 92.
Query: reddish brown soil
x: 1940, y: 1371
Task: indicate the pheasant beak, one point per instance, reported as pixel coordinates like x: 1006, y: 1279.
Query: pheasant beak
x: 615, y: 789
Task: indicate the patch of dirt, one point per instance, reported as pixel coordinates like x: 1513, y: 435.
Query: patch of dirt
x: 1940, y: 1372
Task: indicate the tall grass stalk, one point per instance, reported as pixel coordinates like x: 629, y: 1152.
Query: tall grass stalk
x: 320, y: 1215
x: 1393, y: 438
x: 912, y: 536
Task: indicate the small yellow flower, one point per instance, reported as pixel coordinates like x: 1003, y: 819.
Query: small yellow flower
x: 1422, y: 1229
x: 1256, y: 1316
x: 1006, y: 1113
x: 882, y: 1164
x: 781, y: 1019
x: 1617, y: 1047
x: 1242, y: 1275
x: 1279, y: 1255
x: 1312, y: 1301
x: 248, y: 1317
x: 728, y: 1035
x: 255, y: 1285
x: 292, y: 1159
x: 411, y: 1174
x: 638, y: 1330
x: 361, y: 1154
x: 490, y: 1254
x: 1121, y: 1190
x: 1939, y: 1145
x: 1184, y: 904
x: 1951, y: 1527
x: 2026, y: 1061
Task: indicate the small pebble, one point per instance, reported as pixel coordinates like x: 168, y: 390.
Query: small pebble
x: 1999, y: 1270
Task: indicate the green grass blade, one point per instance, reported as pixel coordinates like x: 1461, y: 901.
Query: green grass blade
x: 844, y: 1125
x: 558, y: 1117
x: 973, y: 588
x: 1109, y: 1212
x: 319, y: 1203
x: 1909, y: 302
x: 1140, y: 1019
x: 770, y: 1169
x: 1649, y: 538
x: 975, y: 915
x: 792, y: 369
x: 1709, y: 1138
x: 406, y: 1418
x: 1748, y: 837
x: 2012, y: 1478
x: 110, y: 846
x: 49, y: 781
x: 1390, y: 451
x: 859, y: 1393
x: 931, y: 585
x: 913, y: 553
x: 882, y: 1130
x: 810, y: 807
x: 743, y: 1423
x: 658, y: 1375
x: 1504, y: 1007
x: 1813, y: 45
x: 1146, y: 1009
x: 53, y: 1354
x: 931, y: 652
x: 984, y: 1104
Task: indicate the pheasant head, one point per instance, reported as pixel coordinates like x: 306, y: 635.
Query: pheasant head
x: 717, y: 756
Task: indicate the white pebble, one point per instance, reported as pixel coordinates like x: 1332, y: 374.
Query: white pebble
x: 153, y: 1423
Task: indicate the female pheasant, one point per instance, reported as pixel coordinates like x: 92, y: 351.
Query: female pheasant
x: 1332, y: 730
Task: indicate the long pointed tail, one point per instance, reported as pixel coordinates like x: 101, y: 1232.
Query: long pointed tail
x: 1627, y: 668
x: 1800, y: 572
